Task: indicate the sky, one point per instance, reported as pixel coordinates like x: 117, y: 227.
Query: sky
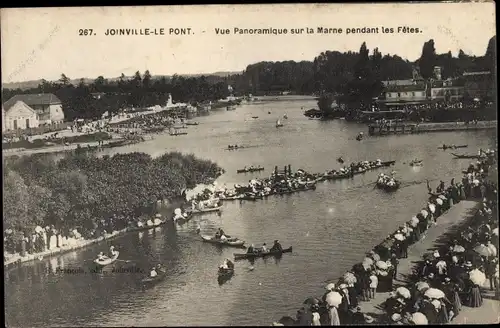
x: 45, y: 42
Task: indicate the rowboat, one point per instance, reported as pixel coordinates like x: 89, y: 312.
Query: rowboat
x: 416, y: 163
x: 178, y: 133
x: 146, y: 227
x: 224, y: 275
x: 465, y: 156
x: 387, y: 187
x: 204, y: 210
x: 192, y: 123
x: 254, y: 117
x: 149, y: 281
x: 238, y: 256
x: 106, y: 261
x: 453, y: 147
x: 233, y: 242
x: 256, y: 169
x: 184, y: 220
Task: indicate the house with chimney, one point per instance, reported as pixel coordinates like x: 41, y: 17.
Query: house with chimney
x: 47, y: 107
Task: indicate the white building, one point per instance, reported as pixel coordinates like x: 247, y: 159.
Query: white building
x: 20, y: 116
x: 47, y: 106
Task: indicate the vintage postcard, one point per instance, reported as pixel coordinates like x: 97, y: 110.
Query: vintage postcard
x: 242, y: 165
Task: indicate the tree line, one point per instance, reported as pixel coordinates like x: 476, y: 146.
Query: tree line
x: 81, y: 190
x: 353, y: 78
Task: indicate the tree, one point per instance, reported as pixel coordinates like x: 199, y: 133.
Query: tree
x: 64, y: 79
x: 427, y: 60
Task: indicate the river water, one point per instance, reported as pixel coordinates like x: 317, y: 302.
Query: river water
x: 330, y: 228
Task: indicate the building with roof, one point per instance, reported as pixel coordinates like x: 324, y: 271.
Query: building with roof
x: 46, y: 105
x: 19, y: 116
x: 396, y: 95
x: 447, y: 90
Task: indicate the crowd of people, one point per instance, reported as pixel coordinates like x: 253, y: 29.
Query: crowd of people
x: 450, y: 277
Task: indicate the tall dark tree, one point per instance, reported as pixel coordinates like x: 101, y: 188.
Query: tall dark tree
x: 427, y: 60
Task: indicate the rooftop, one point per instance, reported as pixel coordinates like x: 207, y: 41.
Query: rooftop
x: 33, y: 99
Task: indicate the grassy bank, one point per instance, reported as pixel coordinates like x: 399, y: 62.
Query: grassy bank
x: 92, y: 194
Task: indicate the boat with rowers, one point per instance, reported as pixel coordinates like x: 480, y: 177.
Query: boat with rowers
x: 252, y: 253
x: 387, y: 182
x: 231, y: 241
x: 444, y: 147
x: 102, y: 260
x: 221, y: 238
x: 192, y: 123
x: 255, y: 117
x: 360, y: 136
x: 279, y: 124
x: 465, y: 156
x: 416, y: 162
x: 250, y: 169
x: 156, y: 275
x: 225, y: 271
x: 150, y: 224
x: 203, y: 210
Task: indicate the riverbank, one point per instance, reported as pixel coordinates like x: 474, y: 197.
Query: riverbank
x: 407, y: 127
x: 456, y: 216
x: 17, y: 259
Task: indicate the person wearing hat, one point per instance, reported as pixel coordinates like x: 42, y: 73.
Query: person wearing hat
x: 429, y: 310
x: 316, y: 319
x: 329, y: 288
x: 357, y: 317
x: 343, y: 309
x: 451, y: 294
x: 491, y: 267
x: 100, y: 256
x: 368, y: 319
x: 112, y: 252
x: 394, y: 264
x: 396, y: 319
x: 276, y: 247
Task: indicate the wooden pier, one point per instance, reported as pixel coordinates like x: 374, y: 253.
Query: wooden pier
x: 409, y: 128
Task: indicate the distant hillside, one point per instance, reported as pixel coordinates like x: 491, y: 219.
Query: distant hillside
x: 34, y: 83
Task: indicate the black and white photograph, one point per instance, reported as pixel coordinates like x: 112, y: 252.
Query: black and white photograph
x: 250, y: 165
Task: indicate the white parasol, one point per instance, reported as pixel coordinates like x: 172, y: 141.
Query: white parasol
x: 441, y: 264
x: 483, y: 250
x: 375, y: 257
x: 38, y: 229
x: 432, y: 208
x: 492, y: 249
x: 421, y: 285
x: 424, y: 213
x: 349, y: 278
x: 434, y: 293
x: 404, y: 292
x: 414, y: 221
x: 399, y: 237
x: 158, y: 215
x: 333, y: 299
x: 477, y: 277
x: 368, y: 261
x: 381, y: 265
x: 439, y: 201
x: 442, y: 197
x: 157, y: 221
x: 458, y: 249
x: 495, y: 232
x: 419, y: 318
x: 178, y: 211
x: 330, y: 286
